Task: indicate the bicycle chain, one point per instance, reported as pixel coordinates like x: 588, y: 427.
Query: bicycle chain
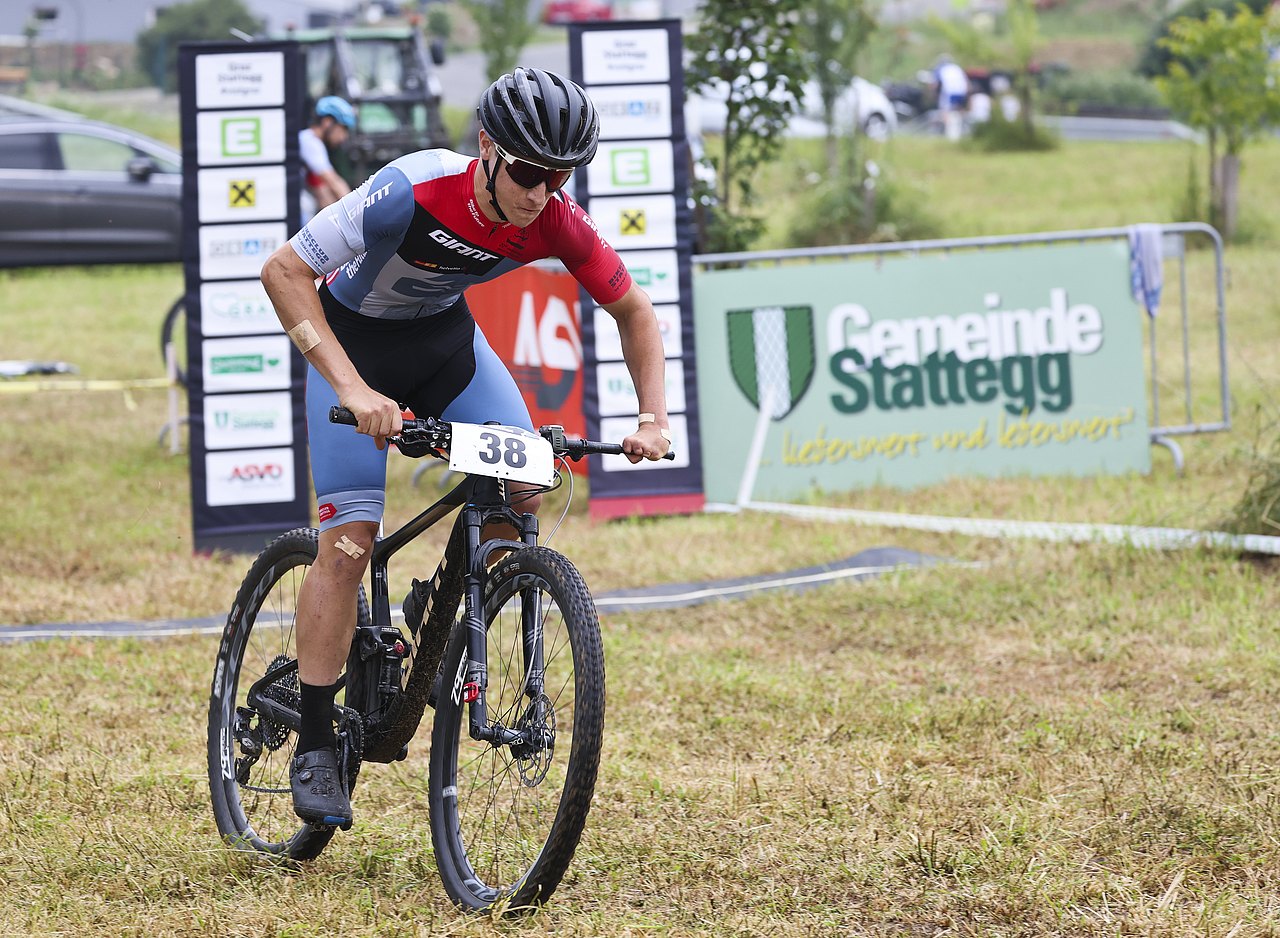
x: 351, y: 736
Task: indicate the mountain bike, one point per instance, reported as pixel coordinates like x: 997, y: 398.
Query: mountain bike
x: 508, y: 655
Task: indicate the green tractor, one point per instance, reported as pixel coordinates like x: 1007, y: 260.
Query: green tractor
x: 387, y: 73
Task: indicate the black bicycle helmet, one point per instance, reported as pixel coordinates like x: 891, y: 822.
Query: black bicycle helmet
x: 541, y: 117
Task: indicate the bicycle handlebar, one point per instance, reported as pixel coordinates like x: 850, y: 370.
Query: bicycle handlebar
x: 424, y: 435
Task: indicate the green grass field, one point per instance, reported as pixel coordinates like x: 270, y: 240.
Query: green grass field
x: 1043, y: 740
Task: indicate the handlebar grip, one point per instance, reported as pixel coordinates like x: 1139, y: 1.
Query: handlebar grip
x: 342, y: 415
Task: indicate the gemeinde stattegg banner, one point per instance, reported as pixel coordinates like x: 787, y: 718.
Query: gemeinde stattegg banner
x: 907, y: 371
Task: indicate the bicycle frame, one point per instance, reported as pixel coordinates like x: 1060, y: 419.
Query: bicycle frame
x: 483, y: 502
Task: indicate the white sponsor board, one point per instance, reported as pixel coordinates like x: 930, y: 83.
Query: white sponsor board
x: 655, y: 272
x: 241, y: 193
x: 255, y: 363
x: 633, y: 112
x: 240, y: 79
x: 636, y: 221
x: 236, y: 421
x: 616, y: 429
x: 237, y: 252
x: 224, y: 137
x: 249, y: 477
x: 633, y: 166
x: 618, y: 394
x: 236, y: 307
x: 632, y: 56
x: 609, y: 340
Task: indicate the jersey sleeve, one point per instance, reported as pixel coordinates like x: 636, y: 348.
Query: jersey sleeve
x: 312, y: 151
x: 380, y: 209
x: 589, y: 257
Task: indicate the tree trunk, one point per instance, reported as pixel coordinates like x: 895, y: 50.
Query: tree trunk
x: 1215, y: 182
x: 1230, y: 178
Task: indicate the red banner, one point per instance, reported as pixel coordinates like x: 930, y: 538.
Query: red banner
x: 532, y: 319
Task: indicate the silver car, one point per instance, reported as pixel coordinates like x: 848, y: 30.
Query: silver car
x: 76, y: 191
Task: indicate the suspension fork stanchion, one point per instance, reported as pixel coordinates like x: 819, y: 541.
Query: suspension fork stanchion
x: 531, y: 621
x: 476, y: 672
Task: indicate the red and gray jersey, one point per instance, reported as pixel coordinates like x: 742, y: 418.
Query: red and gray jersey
x: 412, y: 238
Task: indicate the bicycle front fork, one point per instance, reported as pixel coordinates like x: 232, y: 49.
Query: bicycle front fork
x: 472, y: 679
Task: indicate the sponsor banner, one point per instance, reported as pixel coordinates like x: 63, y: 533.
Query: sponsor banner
x: 239, y: 137
x: 249, y: 364
x: 242, y: 193
x: 632, y: 112
x: 625, y: 56
x: 249, y: 477
x: 240, y: 114
x: 910, y: 370
x: 617, y: 394
x: 240, y: 79
x: 655, y: 272
x: 636, y: 221
x: 636, y: 190
x: 531, y: 318
x: 238, y: 251
x: 609, y: 342
x: 619, y: 428
x: 238, y: 421
x: 634, y: 166
x: 236, y: 307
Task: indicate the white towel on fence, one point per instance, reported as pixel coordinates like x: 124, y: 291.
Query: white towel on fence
x: 1146, y: 265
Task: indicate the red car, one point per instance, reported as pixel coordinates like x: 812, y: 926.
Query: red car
x: 576, y: 11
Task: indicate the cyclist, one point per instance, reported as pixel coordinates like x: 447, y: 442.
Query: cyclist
x: 331, y: 125
x: 389, y: 325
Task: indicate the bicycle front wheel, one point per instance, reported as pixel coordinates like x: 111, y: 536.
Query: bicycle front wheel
x: 506, y: 819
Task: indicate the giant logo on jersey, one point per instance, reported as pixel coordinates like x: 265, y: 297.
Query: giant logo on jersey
x: 429, y: 245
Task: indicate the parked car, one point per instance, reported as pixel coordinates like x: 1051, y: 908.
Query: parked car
x: 576, y: 11
x: 75, y: 191
x: 874, y: 111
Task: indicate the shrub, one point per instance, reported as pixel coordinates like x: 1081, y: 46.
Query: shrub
x: 1001, y: 136
x: 1071, y: 93
x: 840, y: 211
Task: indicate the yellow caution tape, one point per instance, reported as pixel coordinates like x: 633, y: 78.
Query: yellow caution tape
x: 30, y: 387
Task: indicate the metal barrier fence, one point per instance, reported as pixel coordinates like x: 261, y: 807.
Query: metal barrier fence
x: 1174, y: 247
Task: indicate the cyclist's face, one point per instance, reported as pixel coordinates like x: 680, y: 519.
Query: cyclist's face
x: 334, y: 135
x: 522, y: 206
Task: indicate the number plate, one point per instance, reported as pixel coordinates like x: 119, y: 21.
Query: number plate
x: 502, y: 453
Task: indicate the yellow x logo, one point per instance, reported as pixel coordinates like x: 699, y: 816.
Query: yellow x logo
x: 633, y: 221
x: 243, y: 193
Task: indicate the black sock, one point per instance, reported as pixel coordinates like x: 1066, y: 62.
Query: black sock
x: 316, y: 709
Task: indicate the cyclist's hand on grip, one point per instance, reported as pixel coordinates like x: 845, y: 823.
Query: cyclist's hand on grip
x: 645, y: 443
x: 376, y: 415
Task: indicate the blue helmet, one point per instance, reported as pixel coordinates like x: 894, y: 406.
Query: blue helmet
x: 337, y: 108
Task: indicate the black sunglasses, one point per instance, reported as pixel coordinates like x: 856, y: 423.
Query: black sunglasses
x: 531, y: 175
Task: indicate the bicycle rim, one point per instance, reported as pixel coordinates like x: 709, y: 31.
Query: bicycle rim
x: 505, y: 823
x: 251, y: 798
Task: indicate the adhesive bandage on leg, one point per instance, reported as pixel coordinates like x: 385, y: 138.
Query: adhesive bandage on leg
x: 304, y: 336
x: 349, y: 547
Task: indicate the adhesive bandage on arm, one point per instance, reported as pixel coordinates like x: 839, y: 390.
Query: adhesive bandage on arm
x: 304, y: 336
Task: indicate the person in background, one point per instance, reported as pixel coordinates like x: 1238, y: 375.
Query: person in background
x: 331, y: 125
x: 952, y: 85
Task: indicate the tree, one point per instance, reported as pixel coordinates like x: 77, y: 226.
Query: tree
x: 505, y: 29
x: 183, y: 22
x: 745, y: 50
x: 835, y: 33
x: 1155, y: 57
x: 1222, y: 80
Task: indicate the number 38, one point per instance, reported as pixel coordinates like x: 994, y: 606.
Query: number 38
x: 513, y: 454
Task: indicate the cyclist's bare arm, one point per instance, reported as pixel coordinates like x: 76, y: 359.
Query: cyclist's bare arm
x: 646, y: 361
x: 290, y: 283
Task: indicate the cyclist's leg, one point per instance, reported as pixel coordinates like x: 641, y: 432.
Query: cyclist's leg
x: 349, y: 473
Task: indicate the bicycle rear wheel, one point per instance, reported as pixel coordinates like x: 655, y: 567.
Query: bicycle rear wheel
x: 249, y: 754
x: 506, y: 820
